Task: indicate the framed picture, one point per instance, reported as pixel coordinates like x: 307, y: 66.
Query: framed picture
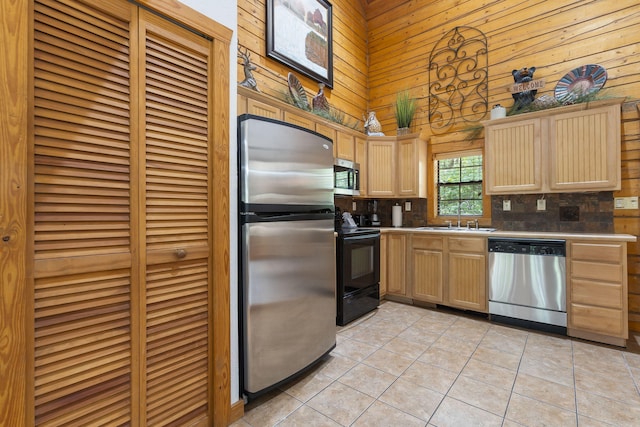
x: 299, y: 36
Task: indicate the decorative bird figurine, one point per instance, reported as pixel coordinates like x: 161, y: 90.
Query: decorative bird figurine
x: 319, y: 101
x: 372, y: 126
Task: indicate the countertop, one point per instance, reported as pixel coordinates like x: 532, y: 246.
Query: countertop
x: 522, y: 234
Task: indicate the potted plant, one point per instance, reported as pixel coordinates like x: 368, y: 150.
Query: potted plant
x: 405, y: 109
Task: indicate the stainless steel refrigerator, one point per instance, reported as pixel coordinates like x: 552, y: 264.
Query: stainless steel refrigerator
x: 287, y: 251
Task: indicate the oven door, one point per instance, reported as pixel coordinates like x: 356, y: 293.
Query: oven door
x: 360, y: 259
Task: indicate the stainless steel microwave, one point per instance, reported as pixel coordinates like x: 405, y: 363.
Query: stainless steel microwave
x: 346, y: 177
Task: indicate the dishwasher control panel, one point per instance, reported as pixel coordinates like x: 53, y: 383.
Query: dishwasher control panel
x: 527, y: 246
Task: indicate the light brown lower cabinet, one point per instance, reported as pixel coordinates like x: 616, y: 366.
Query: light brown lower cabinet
x: 466, y: 282
x: 383, y: 265
x: 449, y: 270
x: 396, y: 264
x: 597, y: 291
x: 427, y: 268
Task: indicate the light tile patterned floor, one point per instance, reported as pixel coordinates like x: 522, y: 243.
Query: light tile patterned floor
x: 409, y: 366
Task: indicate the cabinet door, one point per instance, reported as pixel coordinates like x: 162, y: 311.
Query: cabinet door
x: 513, y: 157
x: 427, y: 263
x: 585, y: 150
x: 467, y: 283
x: 261, y: 109
x: 381, y: 168
x: 361, y: 159
x: 330, y: 133
x: 174, y: 220
x: 383, y: 265
x: 407, y: 168
x: 299, y: 120
x: 345, y: 146
x: 84, y: 255
x: 396, y: 264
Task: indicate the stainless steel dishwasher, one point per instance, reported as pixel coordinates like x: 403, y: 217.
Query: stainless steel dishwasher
x: 527, y: 282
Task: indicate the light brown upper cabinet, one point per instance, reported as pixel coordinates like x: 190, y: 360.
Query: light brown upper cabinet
x: 130, y: 160
x: 566, y: 149
x: 396, y: 166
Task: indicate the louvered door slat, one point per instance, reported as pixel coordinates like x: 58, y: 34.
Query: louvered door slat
x: 104, y: 24
x: 82, y: 213
x: 112, y: 403
x: 53, y: 72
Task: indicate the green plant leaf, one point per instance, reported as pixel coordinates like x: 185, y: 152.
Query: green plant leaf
x: 405, y: 109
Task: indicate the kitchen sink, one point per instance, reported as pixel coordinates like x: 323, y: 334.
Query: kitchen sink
x: 460, y: 229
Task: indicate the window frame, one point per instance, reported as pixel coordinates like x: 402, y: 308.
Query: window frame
x: 455, y: 155
x: 453, y: 145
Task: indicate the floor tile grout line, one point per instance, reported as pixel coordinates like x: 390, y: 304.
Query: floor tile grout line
x: 506, y: 409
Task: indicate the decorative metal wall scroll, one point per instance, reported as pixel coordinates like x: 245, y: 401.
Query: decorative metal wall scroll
x: 458, y: 79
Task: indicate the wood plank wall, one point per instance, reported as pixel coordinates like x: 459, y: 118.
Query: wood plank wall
x: 389, y: 51
x: 554, y: 36
x: 350, y: 68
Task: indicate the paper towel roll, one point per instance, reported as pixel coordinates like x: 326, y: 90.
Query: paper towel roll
x: 396, y: 216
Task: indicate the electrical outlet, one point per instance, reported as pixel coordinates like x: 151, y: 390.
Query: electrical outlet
x: 354, y: 206
x: 542, y: 205
x: 626, y: 202
x: 407, y: 206
x: 506, y: 205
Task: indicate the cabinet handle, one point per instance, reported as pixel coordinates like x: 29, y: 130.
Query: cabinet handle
x: 181, y: 253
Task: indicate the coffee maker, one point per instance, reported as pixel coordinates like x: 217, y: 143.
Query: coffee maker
x: 362, y: 220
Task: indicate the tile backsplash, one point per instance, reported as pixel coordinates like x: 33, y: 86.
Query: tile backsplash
x: 567, y: 212
x: 417, y: 217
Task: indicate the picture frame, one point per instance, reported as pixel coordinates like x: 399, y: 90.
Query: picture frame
x: 299, y: 35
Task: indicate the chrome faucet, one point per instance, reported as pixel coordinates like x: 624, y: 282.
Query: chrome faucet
x: 459, y: 214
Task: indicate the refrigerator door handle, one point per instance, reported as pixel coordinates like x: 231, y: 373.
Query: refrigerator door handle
x: 252, y: 217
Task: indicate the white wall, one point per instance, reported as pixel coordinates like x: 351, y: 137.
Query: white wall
x: 225, y: 12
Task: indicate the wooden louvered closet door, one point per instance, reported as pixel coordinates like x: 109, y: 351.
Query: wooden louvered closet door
x: 174, y: 67
x: 121, y: 214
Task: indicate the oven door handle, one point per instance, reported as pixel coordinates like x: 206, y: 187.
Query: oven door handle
x: 363, y: 237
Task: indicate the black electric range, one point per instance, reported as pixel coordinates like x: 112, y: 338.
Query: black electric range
x: 357, y: 273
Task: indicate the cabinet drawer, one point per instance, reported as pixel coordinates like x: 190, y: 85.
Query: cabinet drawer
x: 597, y: 252
x: 597, y: 293
x: 433, y: 243
x: 611, y: 273
x: 606, y: 321
x: 467, y: 244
